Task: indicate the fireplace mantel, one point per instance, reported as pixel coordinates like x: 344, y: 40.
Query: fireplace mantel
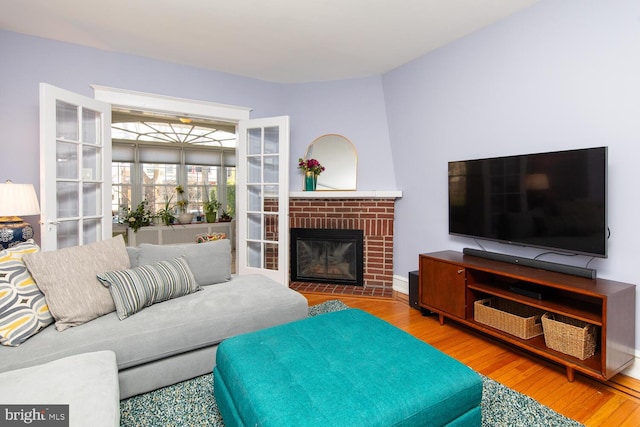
x: 369, y: 194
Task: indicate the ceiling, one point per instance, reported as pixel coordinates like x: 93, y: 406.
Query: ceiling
x: 285, y: 41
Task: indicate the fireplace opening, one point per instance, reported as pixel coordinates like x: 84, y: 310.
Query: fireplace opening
x: 327, y: 256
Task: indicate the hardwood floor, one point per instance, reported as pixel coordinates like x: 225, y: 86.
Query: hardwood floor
x: 585, y: 400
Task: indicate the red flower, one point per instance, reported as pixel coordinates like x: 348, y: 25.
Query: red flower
x: 310, y: 165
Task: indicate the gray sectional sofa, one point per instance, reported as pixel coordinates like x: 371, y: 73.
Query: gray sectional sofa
x: 83, y: 386
x: 165, y: 342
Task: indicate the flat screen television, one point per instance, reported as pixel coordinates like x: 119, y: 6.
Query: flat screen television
x: 556, y: 200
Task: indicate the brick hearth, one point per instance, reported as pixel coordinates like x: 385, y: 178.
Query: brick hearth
x: 374, y: 216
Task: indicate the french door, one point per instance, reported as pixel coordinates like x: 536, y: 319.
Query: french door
x: 75, y: 169
x: 75, y: 187
x: 263, y: 198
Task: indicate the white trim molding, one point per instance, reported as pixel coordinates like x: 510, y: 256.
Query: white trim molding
x: 401, y: 284
x: 372, y: 194
x: 633, y: 371
x: 160, y: 103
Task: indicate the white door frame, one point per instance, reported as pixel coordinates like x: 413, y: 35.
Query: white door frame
x: 167, y: 104
x: 183, y: 107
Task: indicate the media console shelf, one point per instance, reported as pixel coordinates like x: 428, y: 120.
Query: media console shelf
x: 450, y: 282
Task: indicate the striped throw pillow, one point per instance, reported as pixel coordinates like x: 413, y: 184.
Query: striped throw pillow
x: 134, y: 289
x: 23, y: 309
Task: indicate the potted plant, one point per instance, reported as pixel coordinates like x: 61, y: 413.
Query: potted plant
x: 139, y: 217
x: 211, y: 207
x: 166, y: 213
x: 183, y: 216
x: 225, y: 217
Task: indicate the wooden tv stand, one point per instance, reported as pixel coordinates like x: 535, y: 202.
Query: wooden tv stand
x: 450, y: 282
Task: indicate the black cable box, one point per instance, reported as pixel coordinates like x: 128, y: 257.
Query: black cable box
x: 528, y: 290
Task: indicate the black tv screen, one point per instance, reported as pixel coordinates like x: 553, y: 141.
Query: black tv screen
x: 556, y: 201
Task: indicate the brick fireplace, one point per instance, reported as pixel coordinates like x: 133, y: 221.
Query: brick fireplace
x: 373, y: 214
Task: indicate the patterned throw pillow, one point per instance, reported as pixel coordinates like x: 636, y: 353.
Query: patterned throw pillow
x: 137, y: 288
x: 23, y: 309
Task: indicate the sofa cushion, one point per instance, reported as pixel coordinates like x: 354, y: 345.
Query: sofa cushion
x: 67, y: 277
x: 23, y: 309
x: 201, y: 319
x: 137, y: 288
x: 210, y: 262
x: 87, y: 382
x: 134, y: 255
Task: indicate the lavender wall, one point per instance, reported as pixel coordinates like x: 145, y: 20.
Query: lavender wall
x: 353, y: 108
x: 559, y: 75
x: 27, y: 61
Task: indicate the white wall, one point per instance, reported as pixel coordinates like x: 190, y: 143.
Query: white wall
x: 560, y: 75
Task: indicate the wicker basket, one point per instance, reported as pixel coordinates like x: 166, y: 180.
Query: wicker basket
x: 570, y: 336
x: 509, y: 316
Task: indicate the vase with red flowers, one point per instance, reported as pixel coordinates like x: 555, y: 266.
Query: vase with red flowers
x: 311, y: 168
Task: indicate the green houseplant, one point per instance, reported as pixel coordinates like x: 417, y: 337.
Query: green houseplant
x: 166, y: 213
x: 184, y: 217
x: 225, y: 217
x: 182, y: 202
x: 211, y: 207
x: 139, y: 217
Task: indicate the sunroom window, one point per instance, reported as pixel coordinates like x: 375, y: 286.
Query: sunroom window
x: 153, y: 155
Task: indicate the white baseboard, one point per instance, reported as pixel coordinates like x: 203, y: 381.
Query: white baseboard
x: 633, y: 371
x: 401, y: 284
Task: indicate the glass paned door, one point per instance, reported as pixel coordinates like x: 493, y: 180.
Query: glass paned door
x: 263, y: 197
x: 75, y: 146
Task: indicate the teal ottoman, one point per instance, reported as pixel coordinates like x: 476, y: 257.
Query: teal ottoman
x: 346, y: 368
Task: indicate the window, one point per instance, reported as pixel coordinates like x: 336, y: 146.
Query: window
x: 151, y: 157
x: 120, y: 188
x: 201, y: 181
x: 159, y: 181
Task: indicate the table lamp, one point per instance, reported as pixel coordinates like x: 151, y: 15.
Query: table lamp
x: 16, y: 200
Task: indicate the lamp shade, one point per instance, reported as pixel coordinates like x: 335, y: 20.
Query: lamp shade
x: 18, y: 199
x: 537, y: 181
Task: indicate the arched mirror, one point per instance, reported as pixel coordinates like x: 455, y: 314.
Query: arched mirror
x: 338, y: 155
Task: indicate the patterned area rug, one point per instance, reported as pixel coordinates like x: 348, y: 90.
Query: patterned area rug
x: 191, y: 403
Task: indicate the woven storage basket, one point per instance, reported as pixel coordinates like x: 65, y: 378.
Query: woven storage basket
x: 509, y: 316
x: 570, y: 336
